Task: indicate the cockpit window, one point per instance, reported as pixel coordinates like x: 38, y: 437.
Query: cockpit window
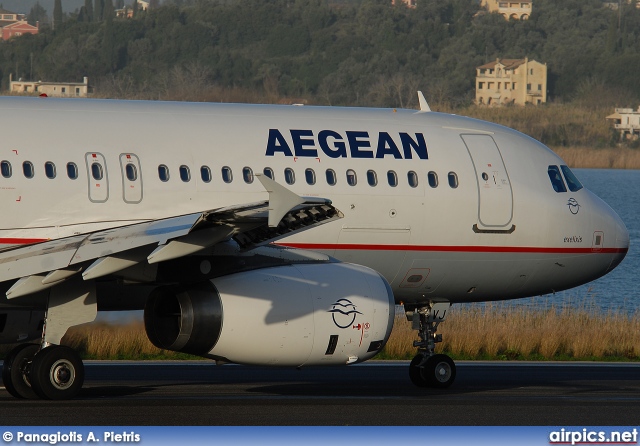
x: 573, y: 183
x: 556, y: 179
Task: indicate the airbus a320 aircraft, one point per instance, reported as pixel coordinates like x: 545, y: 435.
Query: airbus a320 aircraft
x: 274, y: 235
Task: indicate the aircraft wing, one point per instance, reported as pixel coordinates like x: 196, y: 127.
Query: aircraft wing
x: 105, y: 252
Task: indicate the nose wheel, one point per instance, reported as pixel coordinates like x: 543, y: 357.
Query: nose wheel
x: 428, y: 369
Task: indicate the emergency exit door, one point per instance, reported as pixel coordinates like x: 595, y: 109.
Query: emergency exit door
x: 131, y: 178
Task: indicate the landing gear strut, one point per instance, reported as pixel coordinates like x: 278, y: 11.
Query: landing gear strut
x: 428, y: 369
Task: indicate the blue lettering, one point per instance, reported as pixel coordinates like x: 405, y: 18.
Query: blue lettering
x: 333, y: 145
x: 277, y: 143
x: 420, y: 146
x: 299, y: 143
x: 387, y: 146
x: 355, y: 144
x: 339, y: 149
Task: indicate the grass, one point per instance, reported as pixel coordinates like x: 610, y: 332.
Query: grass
x: 499, y: 331
x: 503, y: 331
x: 610, y: 158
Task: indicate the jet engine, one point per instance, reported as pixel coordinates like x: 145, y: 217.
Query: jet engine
x: 294, y: 315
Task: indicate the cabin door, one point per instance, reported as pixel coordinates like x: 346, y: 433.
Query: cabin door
x: 495, y: 197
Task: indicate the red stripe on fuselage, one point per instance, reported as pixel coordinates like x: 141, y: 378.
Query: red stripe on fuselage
x: 484, y: 249
x: 21, y: 241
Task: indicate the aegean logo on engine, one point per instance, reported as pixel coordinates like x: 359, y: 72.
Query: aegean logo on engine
x: 351, y: 144
x: 344, y: 313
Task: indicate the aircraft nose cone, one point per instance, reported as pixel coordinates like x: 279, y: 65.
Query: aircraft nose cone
x: 622, y: 243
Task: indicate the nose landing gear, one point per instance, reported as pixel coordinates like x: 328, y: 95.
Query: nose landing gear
x: 428, y: 369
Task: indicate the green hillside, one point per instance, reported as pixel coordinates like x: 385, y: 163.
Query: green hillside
x: 347, y: 52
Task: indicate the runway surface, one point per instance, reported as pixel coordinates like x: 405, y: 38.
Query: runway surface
x: 374, y: 393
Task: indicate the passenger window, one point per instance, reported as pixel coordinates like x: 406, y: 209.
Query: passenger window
x: 453, y: 180
x: 573, y: 183
x: 331, y: 177
x: 310, y: 176
x: 50, y: 170
x: 392, y: 178
x: 185, y: 173
x: 96, y: 171
x: 556, y: 179
x: 268, y: 171
x: 5, y: 167
x: 432, y: 177
x: 247, y: 174
x: 131, y: 171
x: 352, y: 179
x: 205, y: 174
x: 163, y: 173
x: 27, y: 168
x: 227, y: 175
x: 372, y: 178
x: 289, y: 175
x: 412, y: 177
x: 72, y: 171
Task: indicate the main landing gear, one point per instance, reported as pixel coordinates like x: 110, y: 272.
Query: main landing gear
x: 49, y: 370
x: 428, y: 369
x: 54, y: 373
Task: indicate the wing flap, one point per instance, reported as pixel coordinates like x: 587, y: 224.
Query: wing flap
x: 105, y: 252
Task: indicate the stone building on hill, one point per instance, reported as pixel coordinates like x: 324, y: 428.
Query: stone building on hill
x: 511, y: 81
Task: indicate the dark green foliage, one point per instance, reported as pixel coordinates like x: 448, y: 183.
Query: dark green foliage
x: 88, y: 10
x: 98, y: 9
x: 339, y: 52
x: 37, y: 14
x: 57, y: 13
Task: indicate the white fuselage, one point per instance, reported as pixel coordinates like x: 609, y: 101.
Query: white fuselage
x: 503, y: 232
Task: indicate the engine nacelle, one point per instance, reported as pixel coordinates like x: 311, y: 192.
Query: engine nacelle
x: 20, y: 325
x: 311, y: 314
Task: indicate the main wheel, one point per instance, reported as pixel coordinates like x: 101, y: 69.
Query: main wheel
x: 415, y: 372
x: 15, y: 373
x: 57, y: 373
x: 439, y: 371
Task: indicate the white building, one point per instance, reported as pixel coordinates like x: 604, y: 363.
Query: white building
x: 627, y: 122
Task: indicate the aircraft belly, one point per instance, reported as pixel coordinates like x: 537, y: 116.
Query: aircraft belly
x: 475, y: 277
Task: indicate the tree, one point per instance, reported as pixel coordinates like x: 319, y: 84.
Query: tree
x: 37, y: 14
x: 108, y: 42
x: 153, y: 4
x: 57, y: 14
x: 119, y: 4
x: 108, y: 12
x: 98, y: 9
x: 88, y: 10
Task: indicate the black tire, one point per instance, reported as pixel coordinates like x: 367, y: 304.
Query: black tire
x: 57, y: 373
x: 14, y: 371
x: 415, y: 372
x: 439, y: 371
